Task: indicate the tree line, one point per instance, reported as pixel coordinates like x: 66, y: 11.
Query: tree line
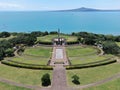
x: 106, y: 42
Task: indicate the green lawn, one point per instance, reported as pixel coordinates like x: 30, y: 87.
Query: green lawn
x: 81, y: 55
x: 48, y: 38
x: 4, y: 86
x: 7, y: 38
x: 118, y: 43
x: 37, y: 55
x: 75, y: 51
x: 90, y: 75
x: 112, y: 85
x: 39, y: 51
x: 24, y: 76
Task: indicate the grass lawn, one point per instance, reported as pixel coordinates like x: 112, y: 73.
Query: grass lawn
x: 4, y: 86
x: 24, y: 76
x: 88, y: 59
x: 39, y: 51
x: 75, y: 51
x: 118, y: 43
x: 30, y: 60
x: 7, y: 38
x: 48, y: 38
x: 81, y: 55
x: 37, y: 55
x: 112, y: 85
x: 90, y: 75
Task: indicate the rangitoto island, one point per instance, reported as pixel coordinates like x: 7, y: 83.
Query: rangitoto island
x: 84, y: 9
x: 57, y: 61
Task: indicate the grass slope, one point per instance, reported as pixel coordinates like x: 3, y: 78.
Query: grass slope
x: 48, y: 38
x: 37, y: 55
x: 95, y: 74
x: 20, y: 75
x: 81, y: 55
x: 112, y: 85
x: 4, y: 86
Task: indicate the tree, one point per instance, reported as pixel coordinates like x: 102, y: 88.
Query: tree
x: 4, y: 34
x: 75, y: 80
x: 111, y: 47
x: 9, y: 52
x: 46, y: 80
x: 1, y: 53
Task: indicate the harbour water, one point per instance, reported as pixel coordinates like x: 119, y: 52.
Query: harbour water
x: 96, y: 22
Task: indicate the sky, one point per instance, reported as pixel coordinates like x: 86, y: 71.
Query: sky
x: 39, y: 5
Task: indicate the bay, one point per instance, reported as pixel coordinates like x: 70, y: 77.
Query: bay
x: 67, y: 22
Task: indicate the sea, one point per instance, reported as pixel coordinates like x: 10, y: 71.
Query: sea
x: 67, y: 22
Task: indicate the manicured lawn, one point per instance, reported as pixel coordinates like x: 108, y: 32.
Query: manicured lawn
x: 88, y: 59
x: 37, y: 55
x: 20, y: 75
x: 75, y: 51
x: 4, y: 86
x: 81, y: 55
x: 39, y: 51
x: 90, y: 75
x: 112, y: 85
x: 48, y: 38
x: 30, y: 60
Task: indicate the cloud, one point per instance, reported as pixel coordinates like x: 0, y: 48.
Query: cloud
x: 10, y: 6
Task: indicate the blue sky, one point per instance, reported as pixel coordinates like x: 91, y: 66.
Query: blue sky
x: 56, y: 4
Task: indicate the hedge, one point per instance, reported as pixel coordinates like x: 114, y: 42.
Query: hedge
x: 25, y: 65
x: 72, y: 42
x: 92, y: 64
x: 45, y: 43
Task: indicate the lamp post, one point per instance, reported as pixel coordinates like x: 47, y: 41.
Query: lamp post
x: 58, y: 36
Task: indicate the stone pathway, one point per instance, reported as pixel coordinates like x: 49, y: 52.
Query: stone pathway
x: 59, y: 81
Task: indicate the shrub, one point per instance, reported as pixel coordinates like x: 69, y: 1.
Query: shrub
x: 75, y: 80
x: 46, y: 80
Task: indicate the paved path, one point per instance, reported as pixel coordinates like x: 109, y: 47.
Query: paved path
x: 59, y: 81
x: 59, y: 55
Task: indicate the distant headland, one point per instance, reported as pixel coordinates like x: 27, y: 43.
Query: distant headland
x: 84, y: 9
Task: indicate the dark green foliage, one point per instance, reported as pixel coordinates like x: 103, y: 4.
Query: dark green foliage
x: 27, y: 39
x: 45, y: 43
x: 46, y: 80
x: 73, y: 42
x: 75, y: 80
x: 53, y: 32
x: 117, y: 39
x: 9, y: 52
x: 6, y: 49
x: 110, y: 47
x: 4, y: 34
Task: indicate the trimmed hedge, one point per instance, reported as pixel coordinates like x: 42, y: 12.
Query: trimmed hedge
x: 92, y: 64
x: 45, y: 43
x: 72, y: 42
x: 25, y: 65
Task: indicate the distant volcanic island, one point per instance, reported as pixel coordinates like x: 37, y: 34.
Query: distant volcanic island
x: 84, y: 9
